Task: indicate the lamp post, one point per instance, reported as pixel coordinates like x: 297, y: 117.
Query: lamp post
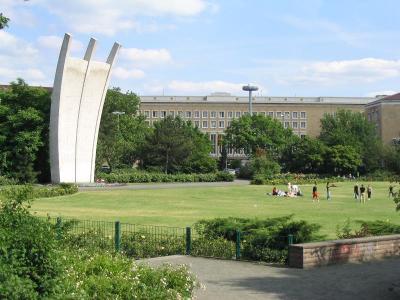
x: 118, y: 113
x: 250, y: 88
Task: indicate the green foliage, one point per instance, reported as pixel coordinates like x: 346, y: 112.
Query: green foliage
x: 259, y: 167
x: 342, y: 160
x: 133, y: 176
x: 352, y: 129
x: 305, y: 155
x: 366, y: 228
x: 213, y: 247
x: 282, y: 179
x: 397, y: 201
x: 7, y: 181
x: 3, y: 21
x: 175, y: 146
x: 264, y: 239
x: 94, y: 275
x: 24, y: 133
x: 391, y: 158
x: 29, y: 266
x: 258, y: 132
x: 40, y: 191
x: 120, y: 136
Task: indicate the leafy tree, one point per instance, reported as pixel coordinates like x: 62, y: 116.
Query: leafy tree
x: 24, y: 129
x: 305, y: 155
x: 3, y: 21
x: 176, y: 146
x: 120, y: 136
x: 349, y: 128
x: 258, y: 132
x: 391, y: 155
x: 341, y: 160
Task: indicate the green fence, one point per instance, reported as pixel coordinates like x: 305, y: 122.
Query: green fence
x: 144, y: 241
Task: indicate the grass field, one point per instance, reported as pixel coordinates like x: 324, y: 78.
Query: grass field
x: 184, y: 206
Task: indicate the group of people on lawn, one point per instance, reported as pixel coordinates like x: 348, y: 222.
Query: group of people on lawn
x: 361, y: 193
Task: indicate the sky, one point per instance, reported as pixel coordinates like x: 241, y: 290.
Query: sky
x: 197, y: 47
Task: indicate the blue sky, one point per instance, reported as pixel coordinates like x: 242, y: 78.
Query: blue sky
x: 195, y: 47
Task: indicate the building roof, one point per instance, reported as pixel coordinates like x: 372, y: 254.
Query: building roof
x: 392, y: 97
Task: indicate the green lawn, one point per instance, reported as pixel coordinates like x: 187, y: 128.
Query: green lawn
x: 184, y: 206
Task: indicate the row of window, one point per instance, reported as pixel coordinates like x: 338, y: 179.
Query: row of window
x: 221, y: 114
x: 221, y: 124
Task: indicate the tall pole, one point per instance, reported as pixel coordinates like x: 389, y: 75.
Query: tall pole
x: 250, y: 104
x: 250, y: 88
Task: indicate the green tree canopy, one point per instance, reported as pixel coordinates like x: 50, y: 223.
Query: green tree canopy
x: 305, y: 155
x: 349, y: 128
x: 24, y: 132
x: 342, y: 160
x: 175, y: 145
x: 258, y: 132
x: 120, y: 135
x: 3, y: 21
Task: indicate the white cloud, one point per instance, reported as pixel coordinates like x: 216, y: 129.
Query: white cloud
x: 106, y: 17
x: 146, y: 57
x: 124, y: 74
x: 203, y: 88
x: 54, y: 42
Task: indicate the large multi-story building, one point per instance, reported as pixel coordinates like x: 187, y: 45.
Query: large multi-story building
x: 213, y: 114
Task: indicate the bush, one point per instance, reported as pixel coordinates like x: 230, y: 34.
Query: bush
x: 367, y: 228
x: 281, y: 179
x: 213, y: 247
x: 94, y: 275
x: 133, y: 176
x: 265, y: 239
x: 29, y: 266
x: 259, y: 166
x: 7, y: 181
x: 41, y: 191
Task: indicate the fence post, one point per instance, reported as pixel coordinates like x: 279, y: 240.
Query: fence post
x: 117, y: 236
x: 290, y: 239
x: 58, y: 228
x: 237, y: 244
x: 188, y: 240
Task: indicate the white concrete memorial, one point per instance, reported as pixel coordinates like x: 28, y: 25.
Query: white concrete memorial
x: 79, y: 90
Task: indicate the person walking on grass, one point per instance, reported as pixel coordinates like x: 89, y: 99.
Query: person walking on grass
x: 362, y: 194
x: 328, y: 191
x: 356, y: 191
x: 391, y: 190
x: 369, y: 192
x: 315, y: 196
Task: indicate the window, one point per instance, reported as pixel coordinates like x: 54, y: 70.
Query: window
x: 172, y: 113
x: 261, y: 113
x: 146, y: 113
x: 213, y: 124
x: 294, y: 125
x: 205, y: 114
x: 286, y: 124
x: 237, y: 114
x: 213, y: 114
x: 213, y: 139
x: 197, y: 114
x: 205, y: 124
x: 222, y: 114
x: 188, y: 114
x: 197, y: 124
x: 278, y: 114
x: 155, y: 114
x: 287, y: 115
x: 230, y: 114
x: 245, y: 113
x: 163, y: 114
x: 303, y: 115
x: 271, y: 114
x: 221, y: 124
x: 302, y: 125
x: 229, y: 123
x: 180, y: 113
x: 294, y: 115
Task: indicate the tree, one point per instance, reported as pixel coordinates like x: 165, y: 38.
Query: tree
x: 3, y: 21
x: 342, y: 160
x: 24, y: 129
x: 120, y: 135
x: 349, y: 128
x: 258, y: 132
x: 174, y: 145
x: 305, y: 155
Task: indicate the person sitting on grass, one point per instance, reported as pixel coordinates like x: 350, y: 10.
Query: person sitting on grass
x: 274, y: 191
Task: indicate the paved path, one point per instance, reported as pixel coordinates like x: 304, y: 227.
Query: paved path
x: 158, y: 186
x: 243, y: 280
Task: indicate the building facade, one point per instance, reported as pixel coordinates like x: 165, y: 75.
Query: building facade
x: 385, y: 113
x: 213, y: 114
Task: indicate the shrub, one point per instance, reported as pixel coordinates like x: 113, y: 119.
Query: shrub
x: 41, y: 191
x: 265, y: 239
x: 213, y: 247
x: 367, y: 228
x: 7, y: 181
x: 280, y: 179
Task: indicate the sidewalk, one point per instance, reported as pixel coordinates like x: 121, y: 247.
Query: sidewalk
x: 232, y: 280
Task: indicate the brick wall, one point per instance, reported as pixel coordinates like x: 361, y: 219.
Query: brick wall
x: 342, y: 251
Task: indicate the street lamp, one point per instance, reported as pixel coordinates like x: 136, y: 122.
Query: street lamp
x: 118, y: 113
x: 250, y: 88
